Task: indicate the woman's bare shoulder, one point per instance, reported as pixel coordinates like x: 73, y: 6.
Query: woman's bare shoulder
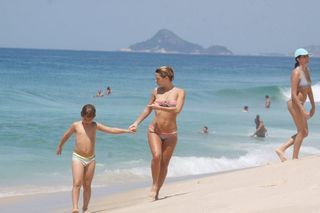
x: 295, y: 72
x: 179, y: 90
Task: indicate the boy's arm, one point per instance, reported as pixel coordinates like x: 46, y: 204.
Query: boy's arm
x: 112, y: 130
x: 65, y: 137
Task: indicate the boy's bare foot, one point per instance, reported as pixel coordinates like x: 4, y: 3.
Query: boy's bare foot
x: 281, y: 155
x: 75, y: 210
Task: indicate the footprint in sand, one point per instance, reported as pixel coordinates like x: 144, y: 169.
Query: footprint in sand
x: 273, y: 184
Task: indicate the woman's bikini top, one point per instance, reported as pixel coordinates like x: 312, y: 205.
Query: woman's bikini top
x: 303, y: 83
x: 165, y: 102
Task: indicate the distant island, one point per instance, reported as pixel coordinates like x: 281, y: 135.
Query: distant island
x: 165, y: 41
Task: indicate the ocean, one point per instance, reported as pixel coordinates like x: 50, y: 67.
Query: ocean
x: 42, y: 93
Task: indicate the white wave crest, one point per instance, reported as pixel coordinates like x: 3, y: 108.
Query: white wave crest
x: 185, y: 166
x: 286, y: 92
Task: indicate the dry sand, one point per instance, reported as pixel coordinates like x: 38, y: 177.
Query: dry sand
x: 292, y: 186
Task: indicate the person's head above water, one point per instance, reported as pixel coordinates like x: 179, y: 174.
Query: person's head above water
x: 302, y: 57
x: 205, y: 129
x: 88, y: 112
x: 267, y: 96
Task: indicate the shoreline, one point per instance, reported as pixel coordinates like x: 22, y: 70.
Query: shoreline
x: 274, y: 186
x: 292, y: 186
x: 55, y: 201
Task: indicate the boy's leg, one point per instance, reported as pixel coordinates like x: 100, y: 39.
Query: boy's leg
x: 87, y: 180
x: 77, y: 173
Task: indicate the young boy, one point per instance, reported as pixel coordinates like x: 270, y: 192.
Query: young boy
x: 83, y: 160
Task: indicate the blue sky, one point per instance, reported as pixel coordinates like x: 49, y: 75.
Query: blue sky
x: 244, y: 26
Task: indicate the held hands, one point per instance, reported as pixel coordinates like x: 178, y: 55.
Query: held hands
x: 133, y: 127
x: 131, y: 131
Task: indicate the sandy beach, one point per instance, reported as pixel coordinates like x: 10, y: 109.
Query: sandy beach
x: 293, y: 186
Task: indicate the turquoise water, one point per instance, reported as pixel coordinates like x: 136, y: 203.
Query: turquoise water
x: 42, y: 92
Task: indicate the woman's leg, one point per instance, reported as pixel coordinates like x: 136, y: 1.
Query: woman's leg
x: 302, y: 131
x: 168, y: 147
x: 155, y: 148
x: 87, y: 180
x: 280, y: 150
x: 77, y: 173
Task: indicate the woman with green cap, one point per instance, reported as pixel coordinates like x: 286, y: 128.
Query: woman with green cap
x: 300, y: 90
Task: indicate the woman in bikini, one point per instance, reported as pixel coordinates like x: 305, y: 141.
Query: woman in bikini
x: 300, y: 90
x: 167, y: 101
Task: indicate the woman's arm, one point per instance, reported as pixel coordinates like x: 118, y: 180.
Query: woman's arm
x: 313, y: 107
x: 157, y: 107
x: 180, y: 101
x: 65, y: 137
x: 111, y: 130
x: 310, y: 95
x: 294, y: 89
x: 146, y: 112
x: 177, y: 108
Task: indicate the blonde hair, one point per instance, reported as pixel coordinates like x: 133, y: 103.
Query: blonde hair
x: 166, y: 71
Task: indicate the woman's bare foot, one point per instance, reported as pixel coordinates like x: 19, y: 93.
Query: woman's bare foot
x: 85, y: 210
x: 154, y: 193
x: 75, y: 210
x: 154, y: 196
x: 281, y: 155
